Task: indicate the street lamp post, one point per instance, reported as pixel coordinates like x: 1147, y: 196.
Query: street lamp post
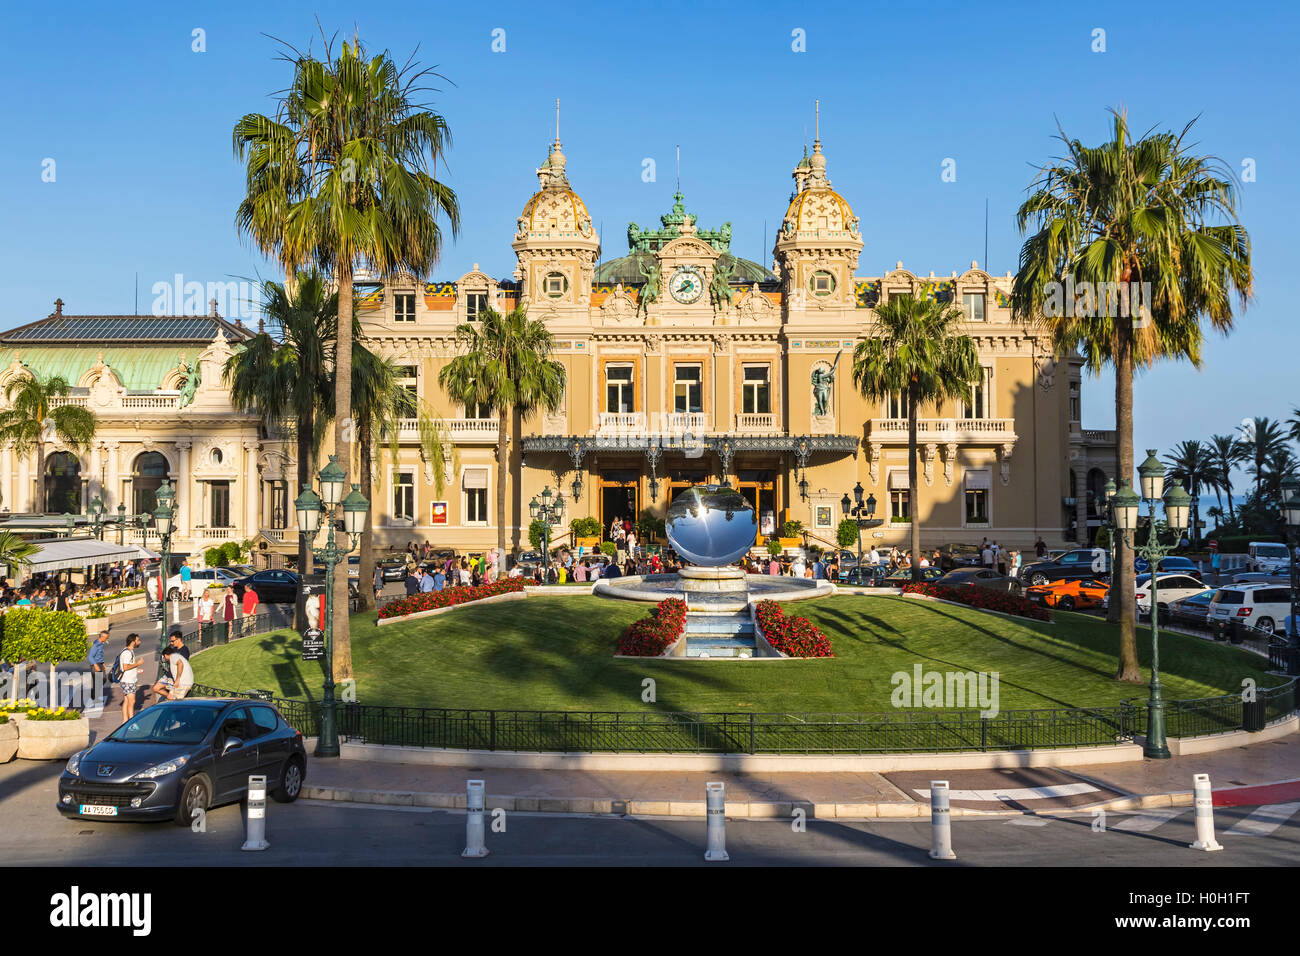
x: 1291, y: 512
x: 311, y: 507
x: 121, y: 525
x: 1177, y: 503
x: 96, y: 509
x: 1108, y: 493
x: 162, y: 516
x: 549, y: 513
x: 863, y: 513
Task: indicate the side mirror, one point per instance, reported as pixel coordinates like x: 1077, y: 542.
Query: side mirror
x: 231, y: 743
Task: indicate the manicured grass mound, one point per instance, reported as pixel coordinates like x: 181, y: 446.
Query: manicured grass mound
x: 557, y: 653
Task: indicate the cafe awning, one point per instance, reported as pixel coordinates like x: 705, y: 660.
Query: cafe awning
x: 62, y: 554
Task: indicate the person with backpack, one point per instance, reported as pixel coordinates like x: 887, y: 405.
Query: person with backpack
x: 96, y: 658
x: 127, y: 673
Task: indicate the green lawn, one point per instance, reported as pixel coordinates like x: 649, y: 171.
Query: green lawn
x: 556, y: 653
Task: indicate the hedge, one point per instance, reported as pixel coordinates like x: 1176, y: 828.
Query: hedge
x: 447, y: 597
x: 982, y: 599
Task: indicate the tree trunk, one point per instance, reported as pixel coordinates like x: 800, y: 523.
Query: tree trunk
x: 366, y: 568
x: 1232, y: 515
x: 344, y: 440
x: 503, y: 461
x: 1121, y: 576
x: 306, y: 423
x: 913, y: 506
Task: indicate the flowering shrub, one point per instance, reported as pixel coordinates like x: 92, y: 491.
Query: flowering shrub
x: 651, y: 636
x: 792, y: 636
x: 983, y: 599
x: 60, y: 713
x: 448, y: 597
x: 20, y: 706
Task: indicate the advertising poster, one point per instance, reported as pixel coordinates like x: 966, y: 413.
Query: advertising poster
x: 439, y: 512
x: 153, y: 589
x: 313, y: 635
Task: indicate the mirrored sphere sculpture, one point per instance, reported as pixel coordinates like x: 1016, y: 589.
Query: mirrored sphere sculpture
x: 711, y: 526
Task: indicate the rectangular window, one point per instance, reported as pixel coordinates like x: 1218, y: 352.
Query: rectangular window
x: 618, y: 388
x: 476, y: 506
x: 688, y: 388
x: 1074, y: 403
x: 481, y: 410
x: 404, y: 307
x: 980, y: 404
x: 973, y: 304
x: 403, y: 496
x: 897, y: 405
x: 755, y: 397
x: 279, y: 505
x: 978, y: 485
x: 220, y: 504
x: 898, y: 505
x: 407, y: 377
x: 475, y: 303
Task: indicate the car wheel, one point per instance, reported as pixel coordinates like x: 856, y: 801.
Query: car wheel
x: 1038, y: 579
x: 1066, y: 603
x: 174, y: 595
x: 1266, y: 625
x: 290, y: 781
x: 196, y: 795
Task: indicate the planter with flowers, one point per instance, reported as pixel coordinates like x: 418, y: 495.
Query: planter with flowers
x: 789, y: 636
x: 432, y: 602
x: 656, y: 635
x: 8, y: 738
x: 53, y: 734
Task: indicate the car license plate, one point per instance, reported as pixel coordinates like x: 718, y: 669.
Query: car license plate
x: 89, y: 810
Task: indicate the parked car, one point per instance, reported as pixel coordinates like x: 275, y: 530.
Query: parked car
x: 845, y: 559
x: 1170, y: 588
x: 1267, y: 555
x: 393, y: 567
x: 979, y: 578
x: 1070, y: 594
x: 180, y: 756
x: 210, y: 576
x: 1237, y: 608
x: 959, y: 556
x: 273, y: 586
x: 905, y: 574
x: 869, y: 575
x: 1189, y: 611
x: 1080, y: 563
x: 1170, y: 565
x: 1281, y: 575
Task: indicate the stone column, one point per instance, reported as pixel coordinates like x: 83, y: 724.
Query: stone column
x: 23, y: 498
x: 1081, y: 502
x: 252, y: 491
x: 184, y: 489
x: 7, y: 478
x: 114, y: 496
x: 95, y: 485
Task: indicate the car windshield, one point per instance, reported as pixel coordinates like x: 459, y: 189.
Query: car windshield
x: 1229, y: 597
x: 168, y: 724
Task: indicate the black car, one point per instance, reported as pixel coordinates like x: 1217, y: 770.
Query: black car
x: 959, y: 556
x: 869, y: 575
x: 273, y: 586
x: 1190, y: 611
x: 1170, y: 565
x: 1080, y: 563
x: 979, y: 578
x: 180, y: 756
x: 393, y: 568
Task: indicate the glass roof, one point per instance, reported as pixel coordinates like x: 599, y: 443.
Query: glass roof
x: 119, y: 328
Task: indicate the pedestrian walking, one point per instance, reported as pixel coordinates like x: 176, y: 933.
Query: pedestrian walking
x: 96, y: 658
x: 128, y: 669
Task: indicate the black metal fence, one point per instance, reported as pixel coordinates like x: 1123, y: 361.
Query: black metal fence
x: 783, y: 733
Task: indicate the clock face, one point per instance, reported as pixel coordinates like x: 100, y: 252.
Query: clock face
x: 686, y: 285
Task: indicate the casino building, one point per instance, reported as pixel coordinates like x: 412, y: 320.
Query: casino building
x: 685, y: 364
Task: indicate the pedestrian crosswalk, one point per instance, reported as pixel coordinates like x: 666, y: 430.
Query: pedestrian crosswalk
x: 1263, y: 821
x: 1147, y: 820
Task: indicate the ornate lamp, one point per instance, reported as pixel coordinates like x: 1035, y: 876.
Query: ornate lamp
x: 1125, y: 505
x: 162, y: 515
x: 533, y: 508
x: 871, y: 505
x: 1291, y: 510
x: 857, y: 494
x: 1152, y: 475
x: 845, y: 504
x: 332, y: 481
x: 308, y: 507
x: 1177, y: 505
x: 355, y: 510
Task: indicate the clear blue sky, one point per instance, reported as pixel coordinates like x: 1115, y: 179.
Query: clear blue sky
x: 139, y: 128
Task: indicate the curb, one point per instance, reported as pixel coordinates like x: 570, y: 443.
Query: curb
x: 739, y: 809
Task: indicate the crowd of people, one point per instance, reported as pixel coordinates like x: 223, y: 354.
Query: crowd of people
x: 57, y: 589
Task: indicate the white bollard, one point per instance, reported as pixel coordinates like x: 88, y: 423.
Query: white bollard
x: 1204, y: 801
x: 940, y: 822
x: 176, y: 612
x: 474, y: 820
x: 715, y: 834
x: 256, y: 814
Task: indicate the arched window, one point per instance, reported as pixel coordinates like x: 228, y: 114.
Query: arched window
x: 148, y: 474
x: 1096, y: 492
x: 62, y: 483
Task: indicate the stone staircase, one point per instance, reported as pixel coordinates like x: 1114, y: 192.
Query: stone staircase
x: 720, y: 635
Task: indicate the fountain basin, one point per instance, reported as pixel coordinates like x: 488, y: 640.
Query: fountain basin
x: 653, y: 588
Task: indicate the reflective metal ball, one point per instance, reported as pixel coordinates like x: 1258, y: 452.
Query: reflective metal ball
x: 711, y: 526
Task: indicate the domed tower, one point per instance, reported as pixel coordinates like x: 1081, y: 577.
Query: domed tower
x: 819, y: 240
x: 555, y: 243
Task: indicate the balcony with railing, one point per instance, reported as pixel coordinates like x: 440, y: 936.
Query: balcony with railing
x: 462, y: 430
x: 687, y: 423
x: 970, y: 431
x: 760, y: 423
x: 621, y: 423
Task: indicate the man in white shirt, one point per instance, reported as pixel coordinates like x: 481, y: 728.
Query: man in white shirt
x: 986, y: 556
x: 205, y: 609
x: 182, y: 677
x: 874, y: 558
x: 130, y: 675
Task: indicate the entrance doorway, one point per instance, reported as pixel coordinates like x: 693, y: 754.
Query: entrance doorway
x: 619, y: 497
x: 758, y: 487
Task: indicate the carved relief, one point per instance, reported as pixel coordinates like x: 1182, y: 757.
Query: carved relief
x: 930, y: 449
x: 619, y: 308
x: 757, y: 308
x: 949, y: 459
x: 1004, y: 457
x: 874, y: 461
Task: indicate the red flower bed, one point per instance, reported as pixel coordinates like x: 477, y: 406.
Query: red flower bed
x: 447, y: 597
x: 792, y: 636
x: 651, y: 636
x: 984, y: 599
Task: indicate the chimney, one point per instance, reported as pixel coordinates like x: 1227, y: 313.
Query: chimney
x: 58, y: 308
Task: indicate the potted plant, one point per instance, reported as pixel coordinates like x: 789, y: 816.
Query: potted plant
x: 790, y: 532
x: 586, y: 532
x: 774, y: 547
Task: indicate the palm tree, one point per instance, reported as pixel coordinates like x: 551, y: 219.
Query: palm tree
x: 15, y: 552
x: 1190, y: 463
x: 36, y: 416
x: 380, y: 402
x: 915, y: 350
x: 284, y: 375
x: 344, y: 175
x: 1260, y: 438
x: 1225, y: 453
x: 1293, y: 424
x: 504, y: 362
x: 1142, y: 213
x: 1280, y: 465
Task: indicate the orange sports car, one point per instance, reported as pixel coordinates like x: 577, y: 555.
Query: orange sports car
x: 1069, y: 595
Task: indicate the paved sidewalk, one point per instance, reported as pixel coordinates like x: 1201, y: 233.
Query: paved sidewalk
x: 1148, y: 783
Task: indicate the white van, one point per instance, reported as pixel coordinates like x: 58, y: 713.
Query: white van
x: 1267, y: 556
x: 1239, y: 608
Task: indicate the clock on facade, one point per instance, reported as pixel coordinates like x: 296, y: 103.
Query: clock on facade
x: 686, y: 285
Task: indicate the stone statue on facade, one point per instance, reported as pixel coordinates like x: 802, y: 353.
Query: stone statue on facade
x: 649, y: 291
x: 823, y: 380
x: 191, y: 383
x: 720, y: 290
